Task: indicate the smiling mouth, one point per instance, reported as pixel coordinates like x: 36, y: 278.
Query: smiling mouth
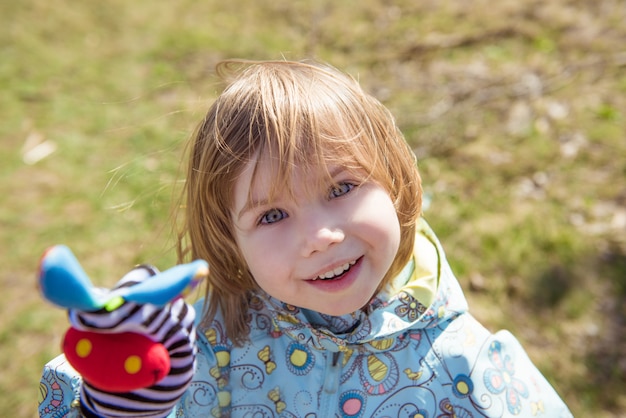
x: 337, y: 272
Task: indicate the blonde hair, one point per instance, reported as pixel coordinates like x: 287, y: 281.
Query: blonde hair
x: 299, y: 114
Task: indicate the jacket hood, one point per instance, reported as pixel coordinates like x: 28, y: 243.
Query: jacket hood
x: 423, y: 295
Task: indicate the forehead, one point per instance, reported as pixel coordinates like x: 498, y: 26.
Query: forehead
x: 264, y: 179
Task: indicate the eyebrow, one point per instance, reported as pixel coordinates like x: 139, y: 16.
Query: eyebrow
x: 252, y: 203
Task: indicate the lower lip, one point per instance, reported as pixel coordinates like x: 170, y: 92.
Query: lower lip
x: 340, y: 283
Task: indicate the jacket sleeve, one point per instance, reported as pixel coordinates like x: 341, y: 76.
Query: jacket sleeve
x: 208, y: 394
x: 509, y: 371
x: 63, y: 391
x: 59, y: 390
x: 492, y: 374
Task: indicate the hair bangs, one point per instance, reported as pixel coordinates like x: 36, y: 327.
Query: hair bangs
x: 317, y: 133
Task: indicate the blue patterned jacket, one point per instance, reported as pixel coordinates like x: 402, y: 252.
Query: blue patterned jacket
x: 414, y: 351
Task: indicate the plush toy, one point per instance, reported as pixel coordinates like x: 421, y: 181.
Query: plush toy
x: 114, y: 362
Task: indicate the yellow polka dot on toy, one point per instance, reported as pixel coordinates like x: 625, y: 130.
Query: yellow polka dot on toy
x: 132, y: 364
x: 83, y: 347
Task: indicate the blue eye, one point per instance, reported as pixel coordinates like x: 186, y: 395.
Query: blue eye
x: 272, y: 216
x: 341, y: 189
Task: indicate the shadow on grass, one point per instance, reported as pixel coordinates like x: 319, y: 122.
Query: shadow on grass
x: 591, y: 287
x: 553, y: 285
x: 603, y: 351
x: 606, y: 355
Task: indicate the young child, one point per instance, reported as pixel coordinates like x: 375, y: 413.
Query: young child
x: 328, y: 294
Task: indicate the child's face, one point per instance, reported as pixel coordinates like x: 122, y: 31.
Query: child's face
x: 348, y: 234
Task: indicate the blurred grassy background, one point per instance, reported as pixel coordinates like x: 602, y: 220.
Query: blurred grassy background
x: 516, y: 110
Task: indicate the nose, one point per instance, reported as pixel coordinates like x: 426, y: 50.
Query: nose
x: 319, y: 233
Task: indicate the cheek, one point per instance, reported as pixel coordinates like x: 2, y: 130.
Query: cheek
x: 262, y: 258
x: 381, y: 213
x: 392, y: 230
x: 384, y: 226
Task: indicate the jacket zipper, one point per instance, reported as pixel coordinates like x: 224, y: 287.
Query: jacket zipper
x: 330, y: 390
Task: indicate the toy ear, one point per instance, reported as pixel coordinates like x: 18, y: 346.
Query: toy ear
x: 166, y: 286
x: 63, y: 281
x: 120, y: 362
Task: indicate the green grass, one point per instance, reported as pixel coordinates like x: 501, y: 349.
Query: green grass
x: 531, y: 215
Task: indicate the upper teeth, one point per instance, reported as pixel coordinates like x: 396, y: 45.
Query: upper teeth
x: 336, y: 272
